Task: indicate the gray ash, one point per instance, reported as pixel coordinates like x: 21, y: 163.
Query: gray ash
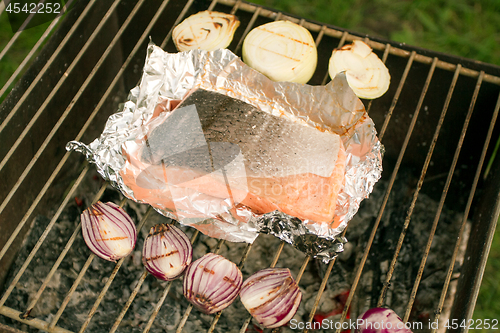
x: 260, y: 256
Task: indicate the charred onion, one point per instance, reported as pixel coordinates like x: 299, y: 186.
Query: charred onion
x: 205, y: 30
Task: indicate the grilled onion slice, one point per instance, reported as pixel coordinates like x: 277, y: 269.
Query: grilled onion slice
x: 366, y: 74
x: 108, y: 231
x: 281, y: 50
x: 205, y: 30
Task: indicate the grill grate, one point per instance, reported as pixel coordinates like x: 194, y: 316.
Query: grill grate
x: 107, y: 42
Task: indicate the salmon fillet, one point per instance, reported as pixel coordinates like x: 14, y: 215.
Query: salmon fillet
x: 214, y: 153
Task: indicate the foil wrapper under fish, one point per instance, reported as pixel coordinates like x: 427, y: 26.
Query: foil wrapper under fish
x: 168, y: 77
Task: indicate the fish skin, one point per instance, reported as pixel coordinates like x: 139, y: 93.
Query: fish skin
x: 272, y: 146
x: 184, y: 153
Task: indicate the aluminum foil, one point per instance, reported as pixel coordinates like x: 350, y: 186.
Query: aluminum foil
x: 168, y: 77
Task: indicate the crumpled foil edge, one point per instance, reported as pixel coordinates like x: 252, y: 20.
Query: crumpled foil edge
x: 171, y: 76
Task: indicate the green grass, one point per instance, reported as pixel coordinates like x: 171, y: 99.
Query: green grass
x: 19, y: 50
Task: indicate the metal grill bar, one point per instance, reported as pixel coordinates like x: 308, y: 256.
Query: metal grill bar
x: 420, y: 182
x: 108, y: 14
x: 165, y: 293
x: 395, y: 99
x: 3, y: 5
x: 158, y: 306
x: 240, y: 265
x: 68, y: 109
x: 343, y: 38
x: 419, y: 186
x: 80, y: 275
x: 66, y: 300
x: 57, y: 86
x: 322, y: 287
x: 52, y: 177
x: 112, y: 276
x: 247, y: 29
x: 273, y: 264
x: 320, y: 35
x: 389, y: 188
x: 42, y: 239
x: 52, y: 271
x: 320, y: 291
x: 177, y: 21
x: 302, y: 269
x: 466, y: 213
x: 183, y: 320
x: 233, y: 10
x: 322, y: 29
x: 443, y: 197
x: 5, y: 310
x: 190, y: 306
x: 34, y: 322
x: 91, y: 117
x: 61, y: 256
x: 129, y: 301
x: 384, y: 59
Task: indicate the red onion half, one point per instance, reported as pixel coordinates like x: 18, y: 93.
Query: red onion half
x: 381, y: 320
x: 212, y: 283
x: 271, y: 296
x: 108, y: 231
x: 167, y: 252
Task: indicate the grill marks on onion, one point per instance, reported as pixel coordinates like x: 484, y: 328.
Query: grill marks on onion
x: 108, y: 231
x: 212, y: 283
x: 162, y: 256
x: 167, y: 252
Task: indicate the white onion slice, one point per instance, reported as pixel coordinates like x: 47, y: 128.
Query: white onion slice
x: 108, y: 231
x: 205, y: 30
x: 167, y: 252
x: 366, y: 74
x: 281, y: 50
x: 271, y: 296
x: 212, y: 283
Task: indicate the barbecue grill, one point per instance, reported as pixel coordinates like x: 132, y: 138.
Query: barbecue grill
x: 437, y: 122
